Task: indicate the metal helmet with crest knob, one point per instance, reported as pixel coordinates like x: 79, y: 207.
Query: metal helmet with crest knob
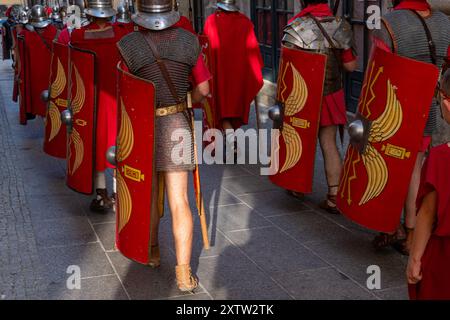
x: 156, y: 14
x: 228, y: 5
x: 100, y: 8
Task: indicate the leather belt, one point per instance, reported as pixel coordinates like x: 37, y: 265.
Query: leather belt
x: 166, y: 111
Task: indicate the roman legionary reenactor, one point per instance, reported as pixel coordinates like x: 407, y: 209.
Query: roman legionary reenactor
x: 316, y: 30
x: 36, y: 41
x: 6, y: 27
x: 56, y: 17
x: 164, y: 55
x: 238, y: 65
x: 414, y: 31
x: 98, y: 40
x: 21, y: 20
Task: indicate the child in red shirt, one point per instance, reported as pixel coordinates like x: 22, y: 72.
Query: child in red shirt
x: 428, y: 270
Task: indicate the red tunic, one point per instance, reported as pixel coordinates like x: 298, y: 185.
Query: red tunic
x: 435, y: 283
x: 238, y: 61
x: 107, y: 57
x: 334, y: 111
x: 37, y: 62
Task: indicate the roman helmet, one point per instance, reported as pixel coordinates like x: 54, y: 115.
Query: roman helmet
x: 23, y: 15
x: 156, y: 14
x: 100, y: 8
x: 123, y: 14
x: 227, y: 5
x: 55, y: 15
x: 38, y: 17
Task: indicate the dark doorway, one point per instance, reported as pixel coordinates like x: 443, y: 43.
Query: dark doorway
x: 199, y: 16
x: 270, y: 17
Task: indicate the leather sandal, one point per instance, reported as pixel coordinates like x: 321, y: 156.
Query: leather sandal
x: 383, y: 240
x: 186, y: 281
x: 102, y: 203
x: 298, y: 195
x: 403, y: 246
x: 155, y: 257
x: 329, y: 205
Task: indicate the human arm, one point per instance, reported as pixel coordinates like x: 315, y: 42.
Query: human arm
x: 422, y: 233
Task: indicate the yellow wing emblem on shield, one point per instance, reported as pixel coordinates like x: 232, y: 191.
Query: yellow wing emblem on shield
x: 59, y: 84
x: 77, y: 104
x: 76, y: 140
x: 383, y: 128
x: 125, y: 144
x: 295, y: 103
x: 125, y: 138
x: 80, y: 96
x: 55, y: 118
x: 124, y: 202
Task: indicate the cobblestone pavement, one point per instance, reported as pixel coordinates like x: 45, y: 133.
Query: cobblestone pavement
x: 265, y: 244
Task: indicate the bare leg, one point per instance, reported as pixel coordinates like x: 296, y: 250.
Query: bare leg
x: 332, y: 158
x: 183, y: 227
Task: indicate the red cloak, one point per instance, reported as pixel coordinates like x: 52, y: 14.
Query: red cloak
x: 107, y: 57
x: 435, y: 283
x: 37, y: 62
x: 237, y: 57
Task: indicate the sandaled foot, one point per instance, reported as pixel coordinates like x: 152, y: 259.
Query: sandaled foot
x: 329, y: 205
x: 384, y: 240
x: 155, y: 257
x: 102, y: 203
x: 403, y: 246
x: 186, y: 281
x: 298, y: 195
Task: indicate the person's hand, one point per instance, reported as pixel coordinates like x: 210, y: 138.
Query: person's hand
x: 414, y: 271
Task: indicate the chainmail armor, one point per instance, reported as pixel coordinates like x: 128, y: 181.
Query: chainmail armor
x: 179, y: 50
x: 412, y: 42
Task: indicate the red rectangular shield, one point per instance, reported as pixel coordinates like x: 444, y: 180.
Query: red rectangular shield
x: 300, y: 90
x: 136, y: 178
x: 394, y: 105
x: 83, y: 108
x: 55, y: 138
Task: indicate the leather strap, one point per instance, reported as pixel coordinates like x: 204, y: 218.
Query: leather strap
x: 330, y: 41
x: 431, y: 43
x: 167, y: 111
x: 336, y: 7
x: 391, y: 35
x: 162, y: 67
x: 43, y: 40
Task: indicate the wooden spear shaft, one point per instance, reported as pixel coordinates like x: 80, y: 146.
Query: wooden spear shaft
x: 197, y: 184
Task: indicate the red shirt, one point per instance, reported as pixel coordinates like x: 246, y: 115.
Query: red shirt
x: 436, y: 177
